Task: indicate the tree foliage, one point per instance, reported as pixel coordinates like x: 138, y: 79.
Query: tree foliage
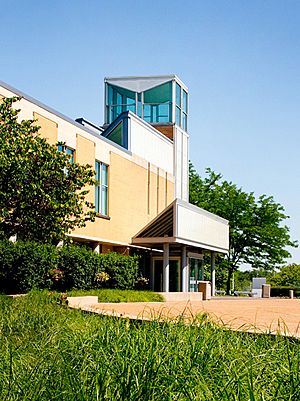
x: 287, y: 276
x: 257, y: 234
x: 42, y: 193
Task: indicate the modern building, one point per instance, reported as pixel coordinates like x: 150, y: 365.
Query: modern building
x: 141, y: 159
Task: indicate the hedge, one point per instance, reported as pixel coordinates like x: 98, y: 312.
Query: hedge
x: 25, y: 265
x: 28, y: 265
x: 284, y: 291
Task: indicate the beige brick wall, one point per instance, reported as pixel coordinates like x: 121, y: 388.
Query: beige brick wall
x: 48, y: 128
x: 128, y: 201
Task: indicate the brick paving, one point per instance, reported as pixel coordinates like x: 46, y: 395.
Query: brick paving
x: 246, y: 314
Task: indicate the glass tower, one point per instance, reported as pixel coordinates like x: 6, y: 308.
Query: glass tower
x: 159, y: 100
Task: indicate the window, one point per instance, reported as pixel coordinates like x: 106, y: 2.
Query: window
x: 118, y: 101
x: 184, y: 109
x: 101, y: 188
x: 157, y: 104
x: 178, y: 105
x: 116, y: 135
x: 68, y: 151
x: 181, y: 107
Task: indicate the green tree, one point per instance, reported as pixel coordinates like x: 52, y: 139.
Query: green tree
x: 257, y: 235
x: 287, y: 276
x: 42, y: 193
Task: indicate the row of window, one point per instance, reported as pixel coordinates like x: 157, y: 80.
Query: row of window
x: 101, y: 187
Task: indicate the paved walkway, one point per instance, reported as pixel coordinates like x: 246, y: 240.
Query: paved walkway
x: 246, y: 314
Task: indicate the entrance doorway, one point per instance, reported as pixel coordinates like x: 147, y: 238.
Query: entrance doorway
x: 195, y: 273
x: 174, y: 274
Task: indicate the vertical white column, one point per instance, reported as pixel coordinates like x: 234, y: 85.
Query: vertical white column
x: 166, y: 268
x: 212, y: 273
x: 185, y: 270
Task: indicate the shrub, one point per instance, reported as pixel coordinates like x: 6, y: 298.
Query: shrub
x: 79, y: 265
x: 284, y: 291
x: 122, y: 270
x: 28, y: 265
x: 25, y: 265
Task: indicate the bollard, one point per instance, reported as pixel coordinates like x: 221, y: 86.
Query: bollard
x: 291, y: 294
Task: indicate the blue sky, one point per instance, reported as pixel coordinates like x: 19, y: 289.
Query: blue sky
x: 240, y: 60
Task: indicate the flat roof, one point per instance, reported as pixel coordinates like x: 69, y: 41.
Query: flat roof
x: 146, y: 78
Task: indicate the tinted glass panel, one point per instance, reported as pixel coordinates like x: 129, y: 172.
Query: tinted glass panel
x: 184, y: 121
x: 119, y: 100
x: 70, y: 152
x: 159, y: 94
x: 147, y: 113
x: 97, y: 168
x: 178, y: 95
x: 97, y: 199
x: 104, y: 201
x: 104, y: 175
x: 184, y: 101
x: 130, y: 108
x: 97, y: 187
x: 178, y: 112
x: 116, y: 135
x: 163, y: 113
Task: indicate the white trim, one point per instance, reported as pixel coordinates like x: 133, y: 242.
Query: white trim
x: 149, y: 126
x: 106, y: 241
x: 62, y: 116
x: 178, y: 240
x: 154, y: 240
x: 147, y: 77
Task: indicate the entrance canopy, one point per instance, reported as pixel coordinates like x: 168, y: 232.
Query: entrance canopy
x: 186, y: 224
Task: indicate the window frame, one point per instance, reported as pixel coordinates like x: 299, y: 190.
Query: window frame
x: 99, y: 186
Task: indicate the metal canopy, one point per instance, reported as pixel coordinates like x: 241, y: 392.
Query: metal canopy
x: 186, y: 224
x: 141, y: 84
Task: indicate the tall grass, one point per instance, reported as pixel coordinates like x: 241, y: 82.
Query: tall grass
x: 48, y: 352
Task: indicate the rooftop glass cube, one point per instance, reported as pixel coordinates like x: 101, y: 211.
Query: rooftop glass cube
x: 157, y: 100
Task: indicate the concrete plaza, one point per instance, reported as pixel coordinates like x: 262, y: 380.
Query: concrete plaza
x: 245, y: 314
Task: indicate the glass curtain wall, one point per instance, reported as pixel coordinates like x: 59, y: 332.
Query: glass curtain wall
x: 154, y: 105
x: 181, y: 107
x: 158, y: 104
x: 118, y: 101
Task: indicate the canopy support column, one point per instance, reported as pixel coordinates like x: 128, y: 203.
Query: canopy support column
x: 212, y: 273
x: 185, y: 270
x: 166, y: 268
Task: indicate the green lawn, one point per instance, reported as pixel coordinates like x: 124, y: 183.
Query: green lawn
x: 113, y: 295
x: 49, y: 352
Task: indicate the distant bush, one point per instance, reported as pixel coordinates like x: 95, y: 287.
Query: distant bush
x: 288, y: 276
x: 284, y: 291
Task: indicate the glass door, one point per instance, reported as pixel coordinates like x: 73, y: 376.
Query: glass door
x: 174, y: 280
x: 174, y: 274
x: 195, y: 270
